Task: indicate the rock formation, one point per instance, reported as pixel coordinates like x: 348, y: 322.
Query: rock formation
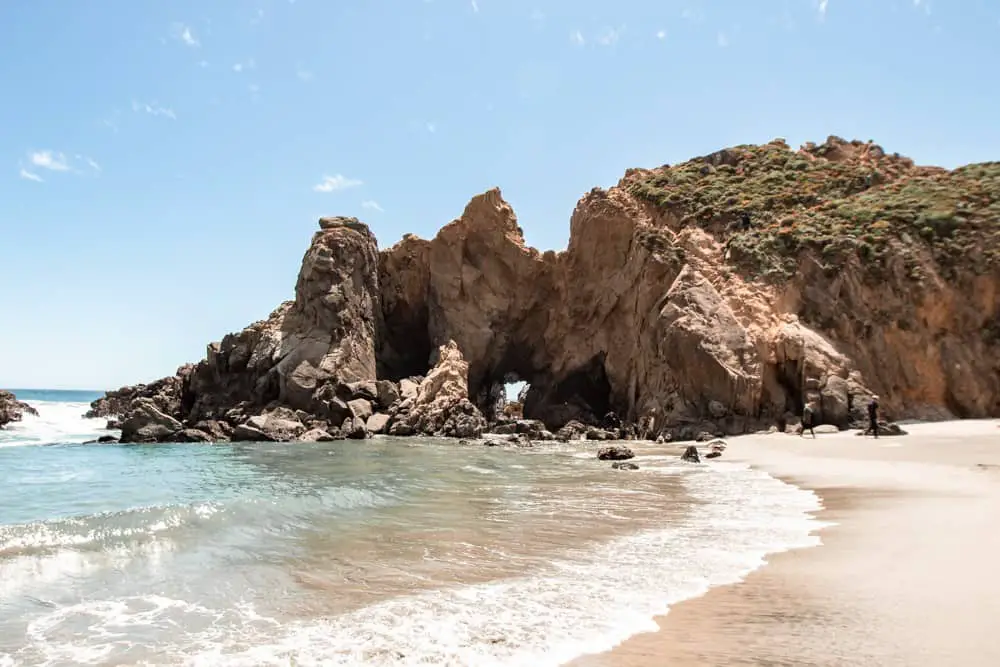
x: 13, y: 410
x: 712, y: 297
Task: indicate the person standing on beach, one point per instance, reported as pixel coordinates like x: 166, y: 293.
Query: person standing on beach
x: 807, y: 420
x: 873, y: 416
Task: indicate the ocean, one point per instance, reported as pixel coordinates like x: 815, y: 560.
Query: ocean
x: 389, y: 551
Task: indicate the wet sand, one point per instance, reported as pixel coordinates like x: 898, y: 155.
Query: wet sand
x: 909, y: 575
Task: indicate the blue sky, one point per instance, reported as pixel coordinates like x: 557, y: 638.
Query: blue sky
x: 163, y: 164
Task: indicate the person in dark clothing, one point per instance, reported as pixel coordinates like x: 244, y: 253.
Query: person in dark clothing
x: 873, y: 416
x: 808, y: 420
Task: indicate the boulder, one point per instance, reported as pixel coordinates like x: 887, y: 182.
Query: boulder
x: 354, y: 428
x: 624, y: 465
x: 248, y: 433
x: 191, y: 435
x: 365, y: 389
x: 279, y: 424
x: 887, y: 429
x: 388, y: 394
x: 615, y: 453
x: 144, y: 423
x: 377, y: 423
x: 408, y: 389
x: 691, y: 455
x: 572, y: 430
x: 826, y: 429
x: 217, y: 431
x: 361, y: 408
x: 316, y: 435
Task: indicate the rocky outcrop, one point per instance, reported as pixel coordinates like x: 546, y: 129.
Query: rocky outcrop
x: 13, y: 410
x: 441, y: 406
x: 713, y: 297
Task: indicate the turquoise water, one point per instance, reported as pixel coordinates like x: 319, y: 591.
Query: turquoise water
x: 57, y: 395
x: 383, y: 552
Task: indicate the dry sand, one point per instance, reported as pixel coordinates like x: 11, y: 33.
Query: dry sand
x: 909, y: 575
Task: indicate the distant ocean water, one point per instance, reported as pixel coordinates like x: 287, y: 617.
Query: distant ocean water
x: 384, y: 552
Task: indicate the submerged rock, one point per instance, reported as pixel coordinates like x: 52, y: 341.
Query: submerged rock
x: 624, y: 465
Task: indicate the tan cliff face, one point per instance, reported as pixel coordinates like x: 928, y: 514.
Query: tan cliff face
x: 720, y: 294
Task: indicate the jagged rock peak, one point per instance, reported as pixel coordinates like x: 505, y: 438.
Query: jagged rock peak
x: 333, y: 222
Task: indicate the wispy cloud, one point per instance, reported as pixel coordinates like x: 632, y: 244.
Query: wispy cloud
x: 335, y: 183
x: 56, y: 161
x: 577, y: 38
x: 49, y: 160
x: 372, y: 205
x: 537, y: 17
x: 258, y: 17
x: 609, y: 37
x: 304, y: 74
x: 246, y: 65
x: 432, y: 128
x: 91, y: 162
x: 661, y: 34
x: 112, y: 120
x: 184, y: 34
x: 822, y: 7
x: 153, y: 109
x: 475, y: 7
x: 722, y: 40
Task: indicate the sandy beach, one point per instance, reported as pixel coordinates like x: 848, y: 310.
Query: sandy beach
x: 907, y: 574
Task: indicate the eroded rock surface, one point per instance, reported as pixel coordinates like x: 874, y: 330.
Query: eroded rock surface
x: 713, y: 297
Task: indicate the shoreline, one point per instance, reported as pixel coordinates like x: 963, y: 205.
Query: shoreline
x: 904, y: 575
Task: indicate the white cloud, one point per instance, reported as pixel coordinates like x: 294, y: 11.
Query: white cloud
x: 432, y: 128
x: 185, y: 35
x: 153, y: 109
x: 609, y: 37
x: 372, y: 206
x: 203, y: 64
x: 475, y: 6
x: 29, y: 176
x: 661, y: 34
x: 722, y: 40
x: 822, y: 7
x: 249, y: 64
x: 90, y: 162
x: 337, y: 182
x: 50, y: 160
x: 577, y: 38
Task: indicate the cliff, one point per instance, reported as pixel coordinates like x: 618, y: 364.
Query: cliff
x: 719, y: 294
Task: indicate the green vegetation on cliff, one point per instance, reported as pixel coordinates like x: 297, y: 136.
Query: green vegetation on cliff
x: 835, y: 202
